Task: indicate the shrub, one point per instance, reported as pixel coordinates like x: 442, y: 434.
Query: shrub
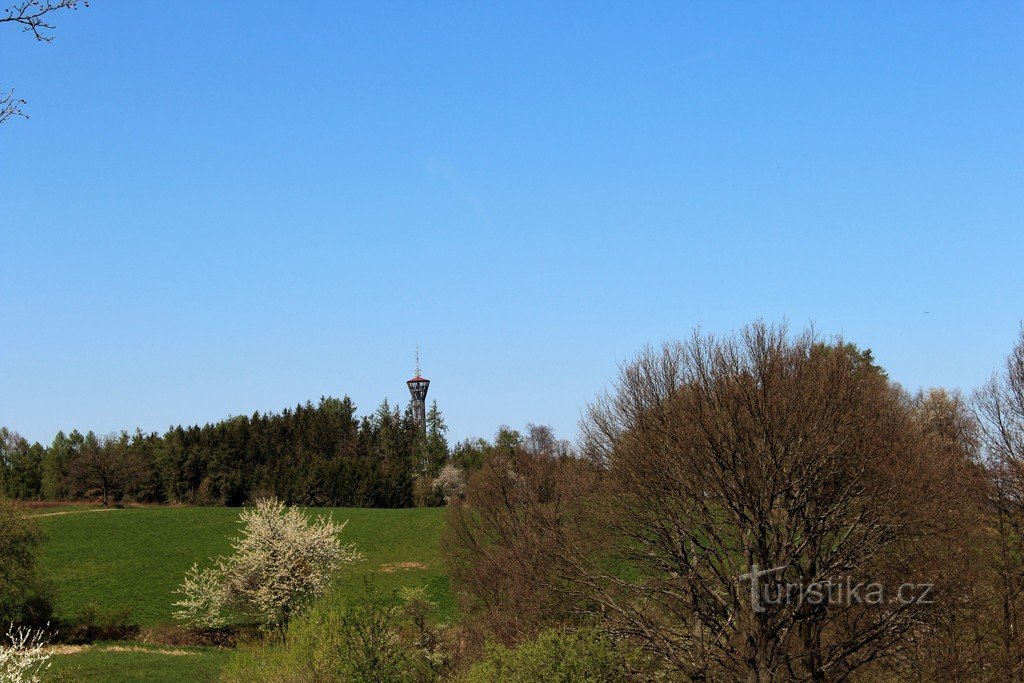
x: 376, y: 638
x: 585, y: 655
x: 25, y: 598
x: 282, y: 560
x: 23, y: 658
x: 93, y: 623
x: 450, y: 483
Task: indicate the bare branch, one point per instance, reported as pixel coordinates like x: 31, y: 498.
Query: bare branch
x: 32, y: 15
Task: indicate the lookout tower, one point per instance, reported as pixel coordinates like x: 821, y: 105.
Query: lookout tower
x: 418, y: 386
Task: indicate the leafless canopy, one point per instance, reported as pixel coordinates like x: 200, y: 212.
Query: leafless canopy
x: 759, y: 451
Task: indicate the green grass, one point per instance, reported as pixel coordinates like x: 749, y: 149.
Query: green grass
x: 136, y: 557
x: 50, y: 509
x: 139, y: 663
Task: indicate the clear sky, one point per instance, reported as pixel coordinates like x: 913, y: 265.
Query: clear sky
x: 222, y: 207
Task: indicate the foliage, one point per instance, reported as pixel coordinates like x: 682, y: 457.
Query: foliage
x: 450, y: 483
x: 93, y: 622
x: 25, y: 597
x: 374, y: 638
x: 20, y: 466
x: 435, y: 447
x: 117, y: 575
x: 312, y: 455
x: 107, y: 468
x: 204, y: 598
x: 281, y: 561
x: 557, y: 657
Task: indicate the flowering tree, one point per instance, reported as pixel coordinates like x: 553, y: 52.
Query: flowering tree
x: 451, y: 482
x: 282, y: 560
x: 22, y: 658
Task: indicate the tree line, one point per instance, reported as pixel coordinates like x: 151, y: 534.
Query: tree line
x: 761, y: 507
x: 316, y: 455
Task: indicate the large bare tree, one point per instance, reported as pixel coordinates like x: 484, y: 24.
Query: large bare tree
x: 106, y: 468
x: 999, y: 406
x: 33, y: 16
x: 747, y: 476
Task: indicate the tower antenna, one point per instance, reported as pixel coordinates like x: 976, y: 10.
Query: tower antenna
x: 418, y: 386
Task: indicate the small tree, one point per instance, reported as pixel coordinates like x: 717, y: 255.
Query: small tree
x: 450, y: 483
x: 24, y: 595
x: 282, y: 560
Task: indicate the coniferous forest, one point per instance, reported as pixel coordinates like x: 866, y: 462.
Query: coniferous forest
x: 320, y: 454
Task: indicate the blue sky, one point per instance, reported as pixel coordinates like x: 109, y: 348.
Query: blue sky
x: 218, y: 208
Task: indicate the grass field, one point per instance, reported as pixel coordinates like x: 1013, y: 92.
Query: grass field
x: 135, y: 558
x: 136, y: 662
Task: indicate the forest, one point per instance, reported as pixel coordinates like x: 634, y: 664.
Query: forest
x: 312, y: 455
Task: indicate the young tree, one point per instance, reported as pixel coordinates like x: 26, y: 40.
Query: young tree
x: 450, y: 483
x: 436, y: 445
x: 282, y: 560
x: 56, y: 463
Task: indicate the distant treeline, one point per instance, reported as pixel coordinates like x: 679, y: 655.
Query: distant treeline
x: 317, y: 455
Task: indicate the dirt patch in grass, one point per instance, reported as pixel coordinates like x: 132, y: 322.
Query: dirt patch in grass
x: 401, y: 566
x: 137, y: 648
x: 73, y: 512
x: 76, y: 649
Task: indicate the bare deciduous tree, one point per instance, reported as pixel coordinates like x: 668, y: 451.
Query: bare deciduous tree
x: 999, y: 406
x: 727, y: 457
x: 105, y: 467
x: 497, y: 538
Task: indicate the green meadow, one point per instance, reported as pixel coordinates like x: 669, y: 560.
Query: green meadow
x: 134, y: 559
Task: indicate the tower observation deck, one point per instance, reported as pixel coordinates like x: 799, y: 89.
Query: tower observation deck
x: 418, y: 386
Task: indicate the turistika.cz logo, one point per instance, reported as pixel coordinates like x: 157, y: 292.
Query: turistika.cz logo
x: 768, y: 592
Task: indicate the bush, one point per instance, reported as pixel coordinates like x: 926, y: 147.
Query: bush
x: 377, y: 638
x: 450, y: 483
x: 282, y: 560
x: 92, y: 624
x: 23, y: 657
x: 585, y: 655
x: 25, y: 598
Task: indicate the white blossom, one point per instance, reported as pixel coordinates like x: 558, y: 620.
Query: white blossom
x: 204, y: 598
x: 23, y: 658
x: 451, y: 482
x: 282, y: 560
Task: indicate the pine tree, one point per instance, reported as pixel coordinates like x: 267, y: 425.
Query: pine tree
x: 436, y: 446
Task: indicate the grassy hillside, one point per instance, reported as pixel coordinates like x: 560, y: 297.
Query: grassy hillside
x: 136, y: 557
x: 135, y: 662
